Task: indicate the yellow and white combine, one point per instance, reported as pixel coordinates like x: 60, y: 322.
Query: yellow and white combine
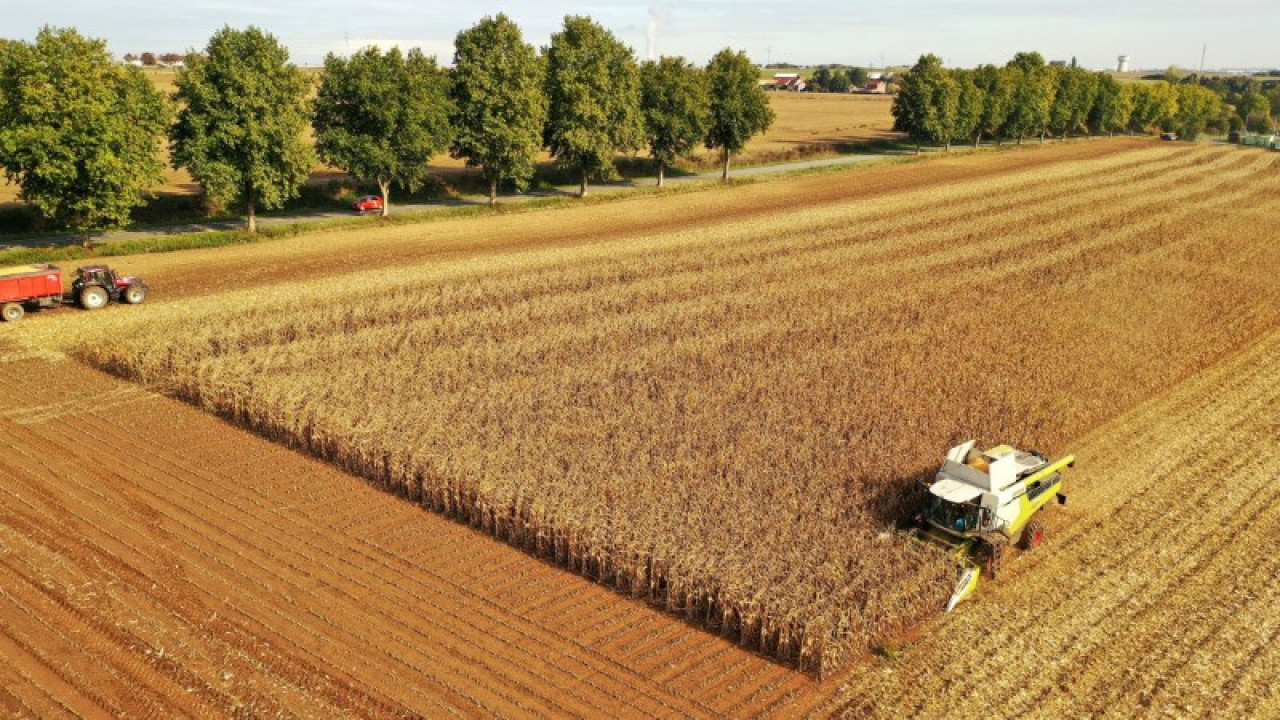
x: 981, y: 502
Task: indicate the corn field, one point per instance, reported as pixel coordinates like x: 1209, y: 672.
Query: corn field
x: 728, y: 420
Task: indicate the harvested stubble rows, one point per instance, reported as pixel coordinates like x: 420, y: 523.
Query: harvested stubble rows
x: 724, y: 420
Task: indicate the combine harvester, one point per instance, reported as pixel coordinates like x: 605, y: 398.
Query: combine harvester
x: 980, y: 503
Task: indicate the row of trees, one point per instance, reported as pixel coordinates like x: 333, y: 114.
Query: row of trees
x: 81, y: 134
x: 837, y: 79
x: 1029, y: 98
x: 1252, y: 104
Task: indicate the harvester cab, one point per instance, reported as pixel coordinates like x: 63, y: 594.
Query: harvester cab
x: 981, y: 502
x: 96, y: 285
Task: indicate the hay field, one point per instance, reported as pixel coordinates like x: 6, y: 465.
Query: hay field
x: 724, y: 419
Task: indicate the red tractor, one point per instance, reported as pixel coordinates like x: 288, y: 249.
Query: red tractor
x: 34, y: 286
x: 96, y: 285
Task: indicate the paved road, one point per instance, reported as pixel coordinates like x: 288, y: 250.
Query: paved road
x: 320, y: 215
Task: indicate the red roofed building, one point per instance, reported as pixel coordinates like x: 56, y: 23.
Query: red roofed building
x: 788, y: 81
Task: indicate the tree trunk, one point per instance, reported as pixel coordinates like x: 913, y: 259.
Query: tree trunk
x: 661, y: 167
x: 1019, y: 139
x: 917, y: 148
x: 977, y: 139
x: 251, y: 222
x: 724, y: 174
x: 385, y: 187
x: 947, y: 146
x: 582, y: 189
x: 84, y: 240
x: 493, y: 191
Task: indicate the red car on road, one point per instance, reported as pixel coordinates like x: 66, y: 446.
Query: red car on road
x: 368, y: 202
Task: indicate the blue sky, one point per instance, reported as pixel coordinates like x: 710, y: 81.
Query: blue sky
x: 1239, y: 33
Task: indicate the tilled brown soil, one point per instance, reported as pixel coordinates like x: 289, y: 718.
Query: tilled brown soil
x: 156, y: 561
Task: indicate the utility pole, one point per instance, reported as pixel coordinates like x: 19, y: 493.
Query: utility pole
x: 1203, y: 50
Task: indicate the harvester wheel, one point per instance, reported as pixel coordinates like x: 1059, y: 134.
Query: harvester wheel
x: 135, y: 294
x: 93, y: 297
x: 12, y: 312
x: 1032, y: 535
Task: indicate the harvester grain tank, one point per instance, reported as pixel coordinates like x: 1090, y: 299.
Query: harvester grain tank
x: 982, y: 502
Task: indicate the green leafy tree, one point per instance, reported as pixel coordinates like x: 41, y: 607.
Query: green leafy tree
x: 997, y: 100
x: 675, y: 100
x: 1072, y: 101
x: 739, y: 108
x: 1112, y: 105
x: 593, y: 94
x: 927, y: 103
x: 1033, y: 91
x: 858, y: 77
x: 382, y: 117
x: 1155, y: 106
x: 1255, y: 109
x: 79, y: 133
x: 969, y: 106
x: 500, y: 106
x: 839, y: 82
x: 820, y: 81
x: 1197, y: 107
x: 240, y: 130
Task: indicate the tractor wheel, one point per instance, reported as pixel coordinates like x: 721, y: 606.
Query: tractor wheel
x: 1032, y: 535
x: 135, y: 294
x: 12, y: 312
x: 93, y: 297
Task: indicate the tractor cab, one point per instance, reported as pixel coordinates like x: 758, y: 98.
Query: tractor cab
x: 98, y: 275
x: 96, y: 285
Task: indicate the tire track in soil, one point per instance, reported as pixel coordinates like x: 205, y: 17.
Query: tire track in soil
x: 371, y: 593
x: 518, y: 702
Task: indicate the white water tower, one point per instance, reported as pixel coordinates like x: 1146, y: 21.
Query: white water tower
x: 1123, y: 63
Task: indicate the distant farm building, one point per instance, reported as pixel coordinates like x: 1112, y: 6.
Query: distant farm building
x: 787, y: 81
x: 875, y: 86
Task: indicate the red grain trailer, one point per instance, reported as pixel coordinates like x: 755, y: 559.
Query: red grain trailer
x: 24, y: 286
